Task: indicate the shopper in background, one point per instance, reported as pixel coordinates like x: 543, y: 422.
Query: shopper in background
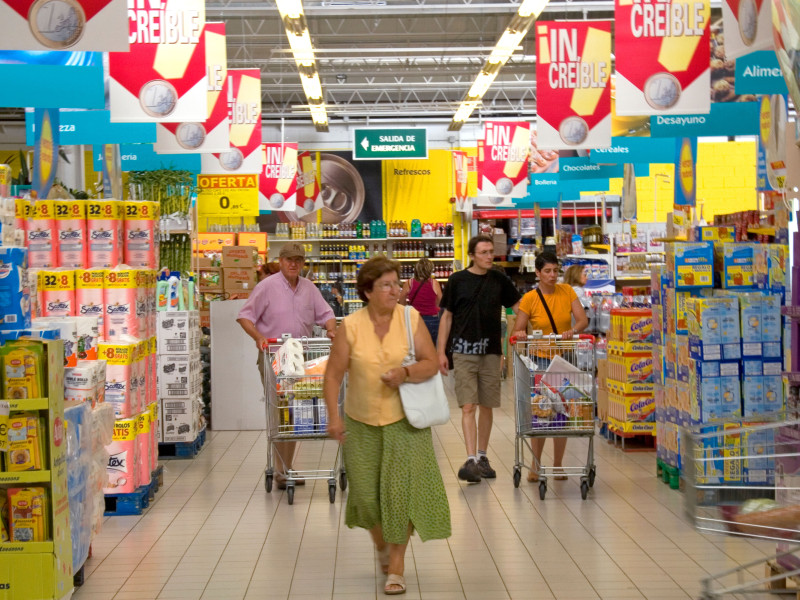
x: 424, y: 293
x: 550, y: 304
x: 575, y: 276
x: 267, y: 269
x: 471, y: 312
x: 284, y: 303
x: 395, y: 483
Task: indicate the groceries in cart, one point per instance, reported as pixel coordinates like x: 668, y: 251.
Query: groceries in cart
x: 560, y: 396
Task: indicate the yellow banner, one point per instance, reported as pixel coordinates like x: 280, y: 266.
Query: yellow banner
x: 227, y: 195
x: 419, y: 189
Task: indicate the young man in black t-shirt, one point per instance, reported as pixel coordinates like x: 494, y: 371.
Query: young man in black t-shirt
x: 472, y: 303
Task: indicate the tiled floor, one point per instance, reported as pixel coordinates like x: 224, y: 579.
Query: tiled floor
x: 214, y: 533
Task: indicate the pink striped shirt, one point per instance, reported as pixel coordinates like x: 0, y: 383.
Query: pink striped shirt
x: 275, y: 308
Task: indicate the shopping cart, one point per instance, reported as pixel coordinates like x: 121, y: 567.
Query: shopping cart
x: 744, y: 480
x: 555, y: 394
x: 296, y: 411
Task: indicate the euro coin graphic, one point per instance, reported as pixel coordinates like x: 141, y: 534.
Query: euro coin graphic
x: 190, y: 135
x: 231, y: 160
x: 662, y: 91
x: 748, y: 21
x: 573, y: 131
x: 57, y: 24
x: 276, y: 200
x: 504, y: 186
x: 158, y: 98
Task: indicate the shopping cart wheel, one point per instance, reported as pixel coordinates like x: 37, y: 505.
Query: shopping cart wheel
x: 517, y: 476
x: 268, y: 482
x: 584, y: 489
x: 290, y: 494
x: 542, y: 490
x: 332, y: 491
x: 592, y: 473
x: 343, y: 481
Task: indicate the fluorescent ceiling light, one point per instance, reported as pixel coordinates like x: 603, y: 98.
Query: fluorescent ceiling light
x: 302, y: 48
x: 531, y: 7
x: 510, y: 40
x: 465, y: 110
x: 482, y: 83
x: 290, y: 8
x: 318, y: 114
x: 312, y: 86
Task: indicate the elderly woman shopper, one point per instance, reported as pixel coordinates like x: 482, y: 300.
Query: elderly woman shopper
x: 395, y: 483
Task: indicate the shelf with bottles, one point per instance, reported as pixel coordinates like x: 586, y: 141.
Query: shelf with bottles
x: 440, y: 271
x: 374, y: 230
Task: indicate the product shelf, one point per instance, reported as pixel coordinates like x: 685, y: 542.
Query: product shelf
x: 352, y: 300
x: 333, y: 280
x: 337, y: 260
x: 16, y: 548
x: 450, y: 259
x: 27, y: 477
x: 632, y: 276
x: 29, y: 404
x: 638, y: 253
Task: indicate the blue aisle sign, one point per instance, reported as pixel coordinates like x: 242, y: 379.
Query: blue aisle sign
x: 635, y: 150
x: 759, y: 73
x: 581, y: 168
x: 571, y: 190
x: 90, y: 127
x: 725, y: 118
x: 142, y: 157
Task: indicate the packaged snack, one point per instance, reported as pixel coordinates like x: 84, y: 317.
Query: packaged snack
x: 25, y: 442
x: 27, y: 519
x: 22, y: 363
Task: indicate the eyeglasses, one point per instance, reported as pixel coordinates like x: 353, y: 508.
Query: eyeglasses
x: 485, y: 253
x: 298, y: 260
x: 385, y: 286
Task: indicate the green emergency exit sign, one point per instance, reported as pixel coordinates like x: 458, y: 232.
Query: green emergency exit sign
x: 390, y: 144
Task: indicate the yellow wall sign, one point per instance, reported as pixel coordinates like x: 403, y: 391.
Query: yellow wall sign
x: 227, y: 195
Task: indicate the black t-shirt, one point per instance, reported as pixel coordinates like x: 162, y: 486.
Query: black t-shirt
x: 477, y: 330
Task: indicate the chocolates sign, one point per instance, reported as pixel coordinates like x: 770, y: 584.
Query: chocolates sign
x: 662, y: 57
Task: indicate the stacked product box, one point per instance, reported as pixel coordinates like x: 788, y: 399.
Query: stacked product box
x: 631, y: 400
x: 179, y: 375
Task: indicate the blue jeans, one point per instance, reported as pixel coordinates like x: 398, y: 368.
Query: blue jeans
x: 432, y: 323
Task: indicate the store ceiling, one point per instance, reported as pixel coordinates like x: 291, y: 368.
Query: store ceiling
x: 391, y: 59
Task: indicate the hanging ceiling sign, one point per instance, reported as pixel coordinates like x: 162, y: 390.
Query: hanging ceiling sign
x: 213, y: 135
x: 278, y: 181
x: 244, y: 116
x: 582, y: 168
x: 786, y: 36
x: 686, y: 172
x: 504, y: 168
x: 662, y: 52
x: 460, y: 178
x: 308, y: 197
x: 142, y: 157
x: 163, y: 77
x: 89, y: 127
x: 635, y: 149
x: 45, y: 150
x: 759, y: 73
x: 725, y: 118
x: 390, y: 144
x: 227, y: 195
x: 573, y: 69
x: 771, y: 157
x: 748, y: 27
x: 76, y: 25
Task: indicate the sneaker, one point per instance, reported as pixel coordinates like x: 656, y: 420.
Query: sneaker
x: 470, y: 472
x: 487, y: 472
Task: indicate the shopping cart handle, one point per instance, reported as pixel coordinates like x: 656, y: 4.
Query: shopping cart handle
x: 549, y: 336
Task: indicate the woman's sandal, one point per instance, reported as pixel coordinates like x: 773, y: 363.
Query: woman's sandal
x: 395, y: 585
x: 383, y: 558
x: 562, y: 476
x: 533, y: 476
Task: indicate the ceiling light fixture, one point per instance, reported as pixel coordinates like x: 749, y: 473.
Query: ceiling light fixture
x: 508, y: 43
x: 294, y: 22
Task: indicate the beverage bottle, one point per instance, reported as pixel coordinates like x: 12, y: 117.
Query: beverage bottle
x: 583, y: 354
x: 359, y: 230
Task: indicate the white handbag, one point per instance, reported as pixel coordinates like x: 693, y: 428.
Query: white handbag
x: 424, y: 403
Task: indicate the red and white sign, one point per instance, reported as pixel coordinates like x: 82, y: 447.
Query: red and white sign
x: 460, y: 178
x: 747, y: 25
x: 244, y: 116
x: 213, y: 135
x: 163, y: 77
x: 573, y: 94
x: 76, y: 25
x: 277, y: 186
x: 662, y: 51
x: 504, y: 168
x: 308, y: 197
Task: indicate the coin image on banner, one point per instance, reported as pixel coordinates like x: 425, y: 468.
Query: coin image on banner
x: 276, y: 200
x: 158, y: 98
x: 748, y: 21
x: 190, y: 135
x: 573, y: 131
x: 662, y: 91
x: 504, y: 186
x: 57, y: 24
x: 231, y: 160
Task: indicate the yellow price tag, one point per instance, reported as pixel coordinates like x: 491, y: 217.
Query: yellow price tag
x: 227, y: 195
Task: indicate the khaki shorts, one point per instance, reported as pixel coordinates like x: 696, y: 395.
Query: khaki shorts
x: 477, y: 379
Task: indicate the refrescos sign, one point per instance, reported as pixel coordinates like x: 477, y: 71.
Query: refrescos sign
x: 163, y: 77
x: 662, y: 57
x: 573, y: 69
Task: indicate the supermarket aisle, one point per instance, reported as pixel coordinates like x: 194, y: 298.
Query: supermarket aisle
x: 213, y: 533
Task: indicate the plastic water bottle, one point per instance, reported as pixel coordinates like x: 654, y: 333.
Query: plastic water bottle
x: 583, y: 355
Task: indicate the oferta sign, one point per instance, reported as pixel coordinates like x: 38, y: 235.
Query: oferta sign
x: 394, y: 143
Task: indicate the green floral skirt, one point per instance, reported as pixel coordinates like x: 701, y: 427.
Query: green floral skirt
x: 394, y: 480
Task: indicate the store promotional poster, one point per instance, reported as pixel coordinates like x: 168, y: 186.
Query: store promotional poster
x: 45, y: 150
x: 244, y: 115
x: 213, y: 134
x: 308, y: 189
x: 277, y: 186
x: 503, y: 169
x: 573, y: 94
x: 771, y: 159
x: 77, y: 25
x: 786, y: 37
x: 748, y: 26
x: 662, y: 57
x: 686, y: 172
x: 460, y: 179
x: 163, y: 76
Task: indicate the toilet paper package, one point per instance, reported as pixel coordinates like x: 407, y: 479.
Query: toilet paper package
x: 23, y: 210
x: 56, y: 290
x: 71, y: 227
x: 103, y: 219
x: 15, y: 304
x: 119, y: 300
x: 143, y: 448
x: 119, y: 384
x: 89, y: 294
x: 121, y: 471
x: 140, y: 234
x: 43, y: 236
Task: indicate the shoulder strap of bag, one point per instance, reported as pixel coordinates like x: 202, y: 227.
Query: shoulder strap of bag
x: 410, y: 300
x: 412, y: 353
x: 547, y: 310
